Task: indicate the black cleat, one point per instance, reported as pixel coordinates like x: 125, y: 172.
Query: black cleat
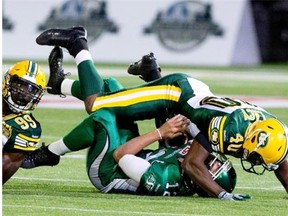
x: 62, y: 37
x: 56, y: 72
x: 147, y: 68
x: 40, y: 157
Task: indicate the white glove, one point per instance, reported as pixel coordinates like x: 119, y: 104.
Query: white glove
x: 228, y: 196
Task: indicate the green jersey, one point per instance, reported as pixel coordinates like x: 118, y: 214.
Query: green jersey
x: 222, y: 121
x: 20, y: 132
x: 163, y: 177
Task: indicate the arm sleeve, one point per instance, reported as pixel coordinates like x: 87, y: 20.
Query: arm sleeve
x: 134, y: 167
x: 194, y: 131
x: 204, y: 142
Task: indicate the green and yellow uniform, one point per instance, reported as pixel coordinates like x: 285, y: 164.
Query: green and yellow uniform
x: 219, y: 123
x: 20, y: 132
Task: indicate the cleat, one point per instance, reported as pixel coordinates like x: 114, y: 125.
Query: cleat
x: 56, y: 72
x: 147, y: 68
x: 62, y: 37
x: 40, y: 157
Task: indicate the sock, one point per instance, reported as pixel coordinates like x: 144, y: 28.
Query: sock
x: 58, y: 148
x: 66, y: 86
x: 79, y: 45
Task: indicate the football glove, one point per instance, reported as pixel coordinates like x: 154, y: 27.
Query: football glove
x: 228, y: 196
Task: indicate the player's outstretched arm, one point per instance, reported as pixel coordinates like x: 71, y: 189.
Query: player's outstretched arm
x: 174, y: 127
x: 282, y: 174
x: 194, y: 166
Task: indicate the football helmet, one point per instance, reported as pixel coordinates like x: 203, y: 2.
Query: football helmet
x: 23, y: 86
x: 222, y: 172
x: 265, y: 146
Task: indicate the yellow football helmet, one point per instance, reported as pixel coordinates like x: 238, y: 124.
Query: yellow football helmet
x: 23, y: 86
x: 266, y: 144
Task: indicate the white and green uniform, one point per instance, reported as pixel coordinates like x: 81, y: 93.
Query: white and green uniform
x: 102, y: 132
x: 164, y: 176
x: 20, y: 132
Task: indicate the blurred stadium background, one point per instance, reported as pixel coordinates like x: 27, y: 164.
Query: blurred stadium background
x: 191, y: 32
x: 239, y: 48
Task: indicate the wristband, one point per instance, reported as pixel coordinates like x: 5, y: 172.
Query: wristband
x: 159, y: 134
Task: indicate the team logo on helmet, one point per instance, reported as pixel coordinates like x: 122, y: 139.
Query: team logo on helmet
x: 262, y: 139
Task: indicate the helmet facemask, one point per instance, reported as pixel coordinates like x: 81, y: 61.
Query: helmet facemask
x: 222, y: 172
x: 254, y: 163
x: 21, y: 94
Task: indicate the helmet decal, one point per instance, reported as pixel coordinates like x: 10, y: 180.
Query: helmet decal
x: 32, y: 69
x: 262, y: 139
x: 265, y: 146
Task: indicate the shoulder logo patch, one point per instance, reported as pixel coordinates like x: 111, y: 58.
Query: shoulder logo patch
x: 214, y: 136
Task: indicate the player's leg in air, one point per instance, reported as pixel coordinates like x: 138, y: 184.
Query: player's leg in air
x: 74, y: 40
x: 91, y: 84
x: 59, y: 84
x: 147, y: 68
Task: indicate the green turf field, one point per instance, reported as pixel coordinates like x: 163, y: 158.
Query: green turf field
x: 65, y: 189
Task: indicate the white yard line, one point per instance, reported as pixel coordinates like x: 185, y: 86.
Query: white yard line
x: 100, y: 211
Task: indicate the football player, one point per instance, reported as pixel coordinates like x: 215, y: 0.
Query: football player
x: 23, y: 87
x: 218, y: 124
x: 161, y: 173
x: 160, y: 169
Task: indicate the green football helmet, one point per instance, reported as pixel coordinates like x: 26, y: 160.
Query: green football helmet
x: 222, y: 172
